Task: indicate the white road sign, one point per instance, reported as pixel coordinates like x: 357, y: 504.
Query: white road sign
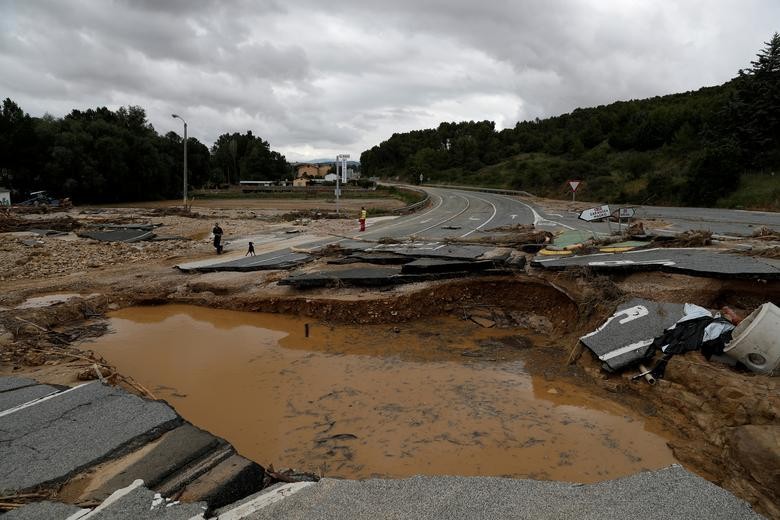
x: 624, y: 213
x: 599, y: 213
x: 574, y: 185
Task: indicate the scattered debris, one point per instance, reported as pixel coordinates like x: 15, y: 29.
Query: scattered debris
x: 756, y: 340
x: 483, y: 322
x: 765, y: 233
x: 692, y: 238
x: 627, y: 337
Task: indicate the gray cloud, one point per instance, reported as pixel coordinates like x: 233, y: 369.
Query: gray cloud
x: 318, y: 79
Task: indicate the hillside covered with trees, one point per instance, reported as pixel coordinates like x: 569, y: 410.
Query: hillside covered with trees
x: 100, y: 155
x: 714, y: 146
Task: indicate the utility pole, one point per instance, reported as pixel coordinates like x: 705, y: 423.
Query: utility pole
x: 184, y: 191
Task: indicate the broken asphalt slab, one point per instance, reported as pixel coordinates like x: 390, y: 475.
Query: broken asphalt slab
x: 697, y: 262
x: 379, y: 258
x: 627, y: 336
x: 45, y: 511
x: 284, y: 259
x: 436, y: 250
x: 669, y: 493
x: 127, y: 236
x: 17, y: 396
x: 174, y: 450
x: 12, y: 383
x: 358, y: 277
x: 56, y: 436
x: 439, y: 265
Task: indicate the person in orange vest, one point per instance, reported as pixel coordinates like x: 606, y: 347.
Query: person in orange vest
x: 362, y: 219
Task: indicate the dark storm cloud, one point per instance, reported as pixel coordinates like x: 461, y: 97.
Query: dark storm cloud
x: 316, y: 78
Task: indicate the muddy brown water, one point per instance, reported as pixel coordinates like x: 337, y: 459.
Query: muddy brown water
x: 443, y: 396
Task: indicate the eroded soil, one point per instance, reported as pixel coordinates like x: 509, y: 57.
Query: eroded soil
x: 720, y: 422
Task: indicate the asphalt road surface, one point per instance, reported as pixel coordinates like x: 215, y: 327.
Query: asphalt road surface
x: 457, y: 213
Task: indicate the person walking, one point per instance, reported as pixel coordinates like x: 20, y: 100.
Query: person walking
x: 251, y: 250
x: 217, y: 231
x: 362, y: 218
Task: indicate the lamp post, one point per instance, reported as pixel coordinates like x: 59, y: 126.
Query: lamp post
x: 176, y: 116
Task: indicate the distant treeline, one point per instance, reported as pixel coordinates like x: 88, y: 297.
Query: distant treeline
x: 100, y: 155
x: 717, y: 145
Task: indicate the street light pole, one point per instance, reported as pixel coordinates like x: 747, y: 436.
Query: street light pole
x: 185, y: 158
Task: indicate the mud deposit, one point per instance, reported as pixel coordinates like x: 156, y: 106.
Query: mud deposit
x: 443, y: 396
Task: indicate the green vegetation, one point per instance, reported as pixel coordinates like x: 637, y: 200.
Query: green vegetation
x: 99, y: 155
x: 715, y: 146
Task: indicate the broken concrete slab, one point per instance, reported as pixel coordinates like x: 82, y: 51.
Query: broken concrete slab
x: 45, y: 511
x: 358, y: 277
x: 173, y: 451
x: 61, y: 434
x: 230, y: 480
x: 697, y: 262
x: 18, y: 396
x: 626, y: 338
x: 127, y: 236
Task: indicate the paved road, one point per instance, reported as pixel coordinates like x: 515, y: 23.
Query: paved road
x: 670, y: 493
x: 457, y: 213
x: 719, y: 221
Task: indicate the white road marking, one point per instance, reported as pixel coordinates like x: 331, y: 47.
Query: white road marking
x: 495, y: 210
x: 468, y: 203
x: 538, y: 219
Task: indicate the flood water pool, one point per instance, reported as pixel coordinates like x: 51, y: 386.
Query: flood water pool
x: 443, y: 396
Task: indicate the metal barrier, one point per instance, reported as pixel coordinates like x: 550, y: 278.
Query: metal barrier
x: 484, y: 190
x: 416, y: 205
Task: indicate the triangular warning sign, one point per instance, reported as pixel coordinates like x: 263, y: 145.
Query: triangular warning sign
x: 574, y: 185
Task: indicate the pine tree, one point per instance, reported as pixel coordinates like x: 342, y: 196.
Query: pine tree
x: 757, y: 106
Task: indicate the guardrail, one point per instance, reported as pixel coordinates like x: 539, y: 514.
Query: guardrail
x: 484, y: 190
x: 416, y: 205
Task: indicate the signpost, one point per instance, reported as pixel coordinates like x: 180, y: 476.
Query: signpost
x: 574, y: 184
x: 624, y: 213
x: 593, y: 214
x: 342, y: 158
x: 598, y: 213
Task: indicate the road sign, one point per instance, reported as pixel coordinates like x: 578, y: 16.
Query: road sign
x: 624, y: 213
x: 599, y: 213
x: 574, y: 185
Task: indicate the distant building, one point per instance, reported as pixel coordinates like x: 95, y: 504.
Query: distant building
x: 312, y: 170
x: 331, y: 177
x: 301, y: 182
x: 351, y: 174
x: 5, y: 197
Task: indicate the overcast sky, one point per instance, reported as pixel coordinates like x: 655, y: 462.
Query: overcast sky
x: 317, y: 78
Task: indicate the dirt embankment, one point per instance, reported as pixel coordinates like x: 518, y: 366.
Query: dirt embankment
x: 726, y: 421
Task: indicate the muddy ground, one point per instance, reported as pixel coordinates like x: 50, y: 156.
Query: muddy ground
x: 726, y: 422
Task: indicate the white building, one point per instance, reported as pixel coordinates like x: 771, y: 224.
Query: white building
x: 5, y: 197
x: 331, y: 177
